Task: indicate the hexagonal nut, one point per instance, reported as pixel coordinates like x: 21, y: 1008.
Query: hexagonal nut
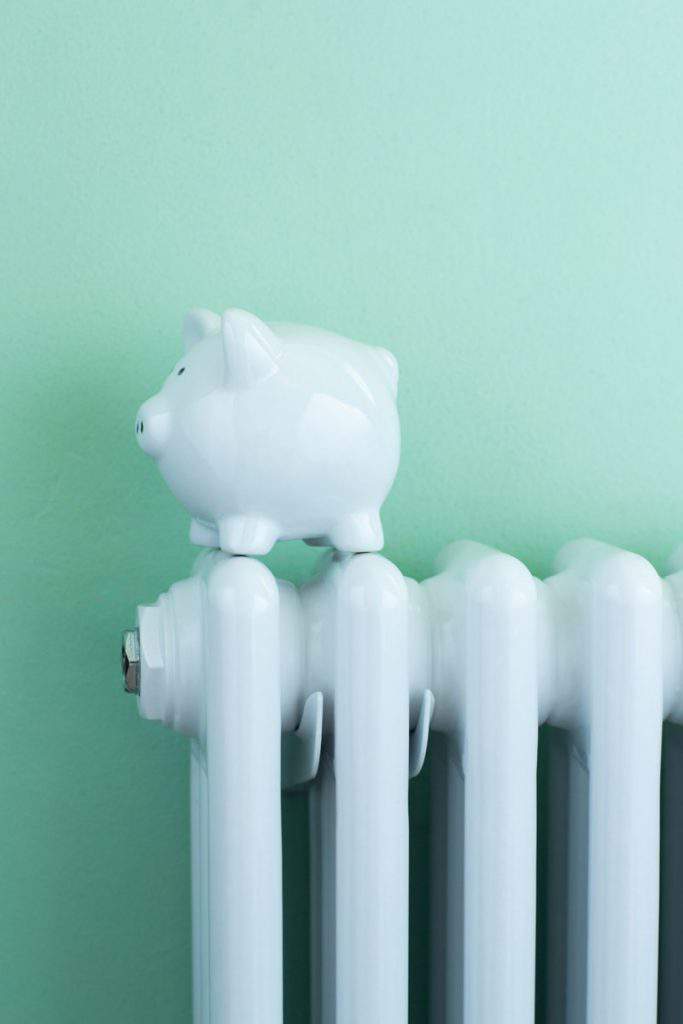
x: 130, y: 660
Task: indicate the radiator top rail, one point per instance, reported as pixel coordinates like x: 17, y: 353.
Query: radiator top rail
x: 553, y: 620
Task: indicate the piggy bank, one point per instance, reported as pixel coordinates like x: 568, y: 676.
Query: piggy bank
x: 268, y: 432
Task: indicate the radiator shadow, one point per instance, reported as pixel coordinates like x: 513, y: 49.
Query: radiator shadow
x: 670, y: 1010
x: 296, y: 908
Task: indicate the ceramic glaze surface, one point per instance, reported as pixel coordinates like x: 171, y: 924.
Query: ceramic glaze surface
x: 269, y: 432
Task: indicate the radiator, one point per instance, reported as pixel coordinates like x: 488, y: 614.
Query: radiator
x: 339, y: 686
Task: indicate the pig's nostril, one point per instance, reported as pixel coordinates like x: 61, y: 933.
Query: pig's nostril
x: 142, y: 427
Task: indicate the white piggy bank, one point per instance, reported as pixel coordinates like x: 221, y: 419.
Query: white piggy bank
x: 275, y: 432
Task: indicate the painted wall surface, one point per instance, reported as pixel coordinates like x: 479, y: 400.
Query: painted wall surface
x: 492, y: 190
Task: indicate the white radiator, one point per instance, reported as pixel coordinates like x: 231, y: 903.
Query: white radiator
x: 338, y: 686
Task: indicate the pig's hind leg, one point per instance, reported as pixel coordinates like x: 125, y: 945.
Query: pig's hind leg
x: 360, y: 531
x: 203, y: 535
x: 247, y: 535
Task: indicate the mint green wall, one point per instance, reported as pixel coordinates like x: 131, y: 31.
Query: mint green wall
x: 491, y: 190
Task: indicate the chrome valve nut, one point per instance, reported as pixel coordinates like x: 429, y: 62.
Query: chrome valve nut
x: 130, y: 660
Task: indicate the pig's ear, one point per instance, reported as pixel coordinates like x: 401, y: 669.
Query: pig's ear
x: 389, y: 367
x: 199, y: 324
x: 252, y: 352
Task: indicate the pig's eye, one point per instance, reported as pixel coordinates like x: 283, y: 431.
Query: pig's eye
x: 181, y: 371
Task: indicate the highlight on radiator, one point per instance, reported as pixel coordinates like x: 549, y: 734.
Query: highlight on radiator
x: 338, y: 686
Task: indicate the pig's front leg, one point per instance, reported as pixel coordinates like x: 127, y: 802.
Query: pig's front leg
x: 247, y: 535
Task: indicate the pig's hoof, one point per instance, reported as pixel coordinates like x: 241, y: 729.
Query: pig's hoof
x: 359, y: 532
x: 247, y: 535
x: 203, y: 535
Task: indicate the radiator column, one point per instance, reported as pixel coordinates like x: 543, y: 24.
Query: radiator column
x: 619, y: 660
x: 200, y: 886
x: 484, y: 608
x: 371, y: 736
x: 499, y: 761
x: 243, y: 725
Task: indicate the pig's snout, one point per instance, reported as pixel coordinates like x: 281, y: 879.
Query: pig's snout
x: 153, y: 425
